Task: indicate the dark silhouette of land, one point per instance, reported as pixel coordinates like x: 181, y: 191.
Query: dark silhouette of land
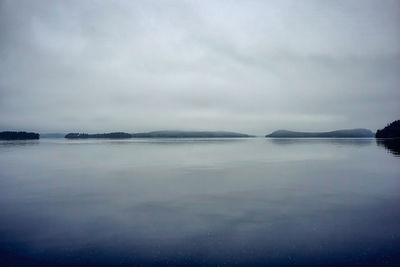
x: 8, y: 135
x: 160, y: 134
x: 347, y: 133
x: 190, y: 134
x: 392, y: 130
x: 114, y: 135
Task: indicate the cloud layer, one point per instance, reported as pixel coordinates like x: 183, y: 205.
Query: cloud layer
x: 248, y: 66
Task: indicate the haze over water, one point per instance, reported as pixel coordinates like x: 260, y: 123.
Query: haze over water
x: 195, y: 202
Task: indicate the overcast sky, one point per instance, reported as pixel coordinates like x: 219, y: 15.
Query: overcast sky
x: 246, y: 66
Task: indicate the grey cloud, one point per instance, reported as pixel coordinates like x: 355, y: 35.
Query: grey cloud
x: 243, y: 66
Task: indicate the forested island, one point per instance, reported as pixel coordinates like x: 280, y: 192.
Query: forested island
x: 159, y: 134
x: 347, y: 133
x: 9, y: 135
x: 392, y: 130
x: 114, y: 135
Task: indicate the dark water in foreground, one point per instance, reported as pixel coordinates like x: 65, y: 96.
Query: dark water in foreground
x: 284, y: 202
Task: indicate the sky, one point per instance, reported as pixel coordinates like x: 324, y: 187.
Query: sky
x: 246, y: 66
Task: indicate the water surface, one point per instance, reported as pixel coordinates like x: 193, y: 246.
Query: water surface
x: 256, y: 201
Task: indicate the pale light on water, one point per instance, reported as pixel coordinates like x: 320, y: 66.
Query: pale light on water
x: 199, y: 202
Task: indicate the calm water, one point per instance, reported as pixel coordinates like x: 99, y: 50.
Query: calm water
x: 281, y: 202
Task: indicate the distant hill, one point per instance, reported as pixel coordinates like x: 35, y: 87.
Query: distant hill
x: 392, y: 130
x: 348, y: 133
x: 18, y: 135
x: 114, y: 135
x: 189, y: 134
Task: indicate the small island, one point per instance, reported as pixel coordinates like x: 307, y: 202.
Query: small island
x: 190, y: 134
x: 9, y: 135
x: 392, y: 130
x: 114, y: 135
x: 347, y: 133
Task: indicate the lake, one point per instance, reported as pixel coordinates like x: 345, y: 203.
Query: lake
x: 190, y: 202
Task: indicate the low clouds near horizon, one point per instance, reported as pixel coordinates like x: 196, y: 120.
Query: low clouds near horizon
x: 246, y: 66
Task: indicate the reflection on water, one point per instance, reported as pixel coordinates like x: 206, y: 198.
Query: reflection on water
x: 392, y: 145
x: 237, y: 202
x: 13, y: 143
